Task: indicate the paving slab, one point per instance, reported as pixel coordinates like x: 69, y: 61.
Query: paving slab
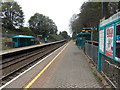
x: 70, y: 70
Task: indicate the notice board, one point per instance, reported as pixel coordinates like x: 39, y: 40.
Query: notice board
x: 109, y: 41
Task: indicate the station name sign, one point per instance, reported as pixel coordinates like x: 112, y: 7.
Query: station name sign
x: 112, y: 18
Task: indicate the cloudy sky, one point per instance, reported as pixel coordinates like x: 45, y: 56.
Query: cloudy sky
x: 60, y: 11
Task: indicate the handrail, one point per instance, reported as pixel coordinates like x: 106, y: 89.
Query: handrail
x: 92, y: 42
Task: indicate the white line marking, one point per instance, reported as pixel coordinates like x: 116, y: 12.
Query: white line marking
x: 29, y: 68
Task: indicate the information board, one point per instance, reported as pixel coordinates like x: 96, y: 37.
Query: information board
x: 109, y: 40
x: 102, y: 40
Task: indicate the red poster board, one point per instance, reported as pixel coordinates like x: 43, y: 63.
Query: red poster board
x: 109, y: 40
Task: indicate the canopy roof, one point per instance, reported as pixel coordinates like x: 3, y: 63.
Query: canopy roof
x: 22, y: 36
x: 85, y: 33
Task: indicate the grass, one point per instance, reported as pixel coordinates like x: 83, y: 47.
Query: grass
x: 97, y: 77
x: 3, y: 40
x: 6, y: 47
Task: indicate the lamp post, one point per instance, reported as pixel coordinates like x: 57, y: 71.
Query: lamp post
x: 102, y: 11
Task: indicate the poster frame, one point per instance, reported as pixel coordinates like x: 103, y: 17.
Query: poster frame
x: 104, y: 26
x: 106, y: 39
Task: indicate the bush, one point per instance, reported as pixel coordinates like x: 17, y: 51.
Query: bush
x: 55, y: 37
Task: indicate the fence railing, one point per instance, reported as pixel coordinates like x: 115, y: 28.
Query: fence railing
x: 110, y: 68
x: 91, y: 49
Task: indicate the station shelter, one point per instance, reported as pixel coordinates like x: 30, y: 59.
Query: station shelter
x: 84, y: 35
x: 23, y: 40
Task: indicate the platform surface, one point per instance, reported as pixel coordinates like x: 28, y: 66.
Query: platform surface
x: 69, y: 70
x: 24, y: 48
x: 18, y: 49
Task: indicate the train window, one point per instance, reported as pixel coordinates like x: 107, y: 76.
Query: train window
x: 118, y: 41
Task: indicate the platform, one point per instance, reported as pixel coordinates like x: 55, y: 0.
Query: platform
x: 69, y: 68
x: 19, y: 49
x: 25, y: 48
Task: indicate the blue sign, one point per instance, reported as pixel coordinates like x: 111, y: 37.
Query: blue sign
x: 117, y: 37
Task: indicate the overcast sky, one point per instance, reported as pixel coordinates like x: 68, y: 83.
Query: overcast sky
x: 60, y: 11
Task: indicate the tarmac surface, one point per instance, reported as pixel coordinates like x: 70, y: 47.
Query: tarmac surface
x: 70, y: 69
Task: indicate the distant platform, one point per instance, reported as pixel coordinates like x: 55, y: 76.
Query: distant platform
x: 25, y: 48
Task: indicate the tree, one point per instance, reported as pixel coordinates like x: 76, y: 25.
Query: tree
x: 90, y: 15
x: 26, y: 31
x: 112, y: 8
x: 12, y: 15
x: 64, y: 34
x: 42, y: 25
x: 119, y: 6
x: 74, y: 23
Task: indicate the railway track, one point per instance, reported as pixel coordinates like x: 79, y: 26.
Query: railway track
x: 14, y: 66
x: 17, y: 57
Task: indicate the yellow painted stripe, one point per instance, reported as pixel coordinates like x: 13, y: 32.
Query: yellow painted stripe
x: 41, y: 72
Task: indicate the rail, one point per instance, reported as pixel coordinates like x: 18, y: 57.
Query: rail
x: 14, y: 66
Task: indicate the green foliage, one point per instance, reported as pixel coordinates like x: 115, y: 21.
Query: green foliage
x: 6, y: 47
x: 55, y: 37
x: 119, y: 6
x: 90, y: 15
x: 5, y: 39
x: 21, y: 31
x: 26, y: 31
x: 42, y: 25
x: 74, y: 35
x: 12, y: 15
x: 64, y: 34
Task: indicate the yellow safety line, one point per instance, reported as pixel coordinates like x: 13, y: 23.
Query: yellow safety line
x: 41, y: 72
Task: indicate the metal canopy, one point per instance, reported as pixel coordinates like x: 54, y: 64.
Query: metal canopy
x: 22, y: 36
x: 85, y: 33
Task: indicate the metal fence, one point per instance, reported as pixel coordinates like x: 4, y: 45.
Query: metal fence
x: 91, y: 49
x: 110, y: 68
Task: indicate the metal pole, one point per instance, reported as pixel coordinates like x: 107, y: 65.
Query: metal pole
x: 92, y: 34
x: 102, y: 12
